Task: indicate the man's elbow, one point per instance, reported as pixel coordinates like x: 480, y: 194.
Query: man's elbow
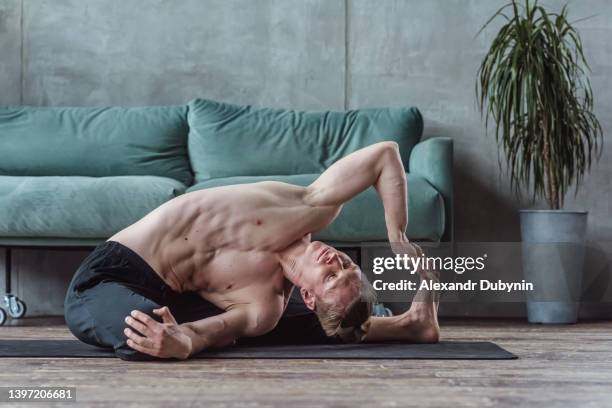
x: 387, y: 149
x: 390, y: 146
x: 388, y: 152
x: 388, y: 156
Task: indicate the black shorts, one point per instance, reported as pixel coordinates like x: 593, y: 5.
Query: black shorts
x: 113, y: 280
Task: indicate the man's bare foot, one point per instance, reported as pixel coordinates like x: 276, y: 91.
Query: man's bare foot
x: 422, y: 317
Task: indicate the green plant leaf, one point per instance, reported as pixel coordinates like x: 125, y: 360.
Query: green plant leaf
x: 533, y: 85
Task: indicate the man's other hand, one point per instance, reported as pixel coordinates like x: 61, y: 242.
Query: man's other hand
x: 164, y: 340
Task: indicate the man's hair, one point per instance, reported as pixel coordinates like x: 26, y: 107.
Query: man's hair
x: 352, y: 325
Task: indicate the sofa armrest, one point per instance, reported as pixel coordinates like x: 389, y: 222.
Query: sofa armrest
x: 433, y: 159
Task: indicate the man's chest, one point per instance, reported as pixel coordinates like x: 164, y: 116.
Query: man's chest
x: 243, y: 277
x: 231, y: 269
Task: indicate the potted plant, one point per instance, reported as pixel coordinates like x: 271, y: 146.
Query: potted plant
x: 533, y: 84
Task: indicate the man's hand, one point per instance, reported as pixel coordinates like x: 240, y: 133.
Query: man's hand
x: 164, y: 340
x: 402, y: 246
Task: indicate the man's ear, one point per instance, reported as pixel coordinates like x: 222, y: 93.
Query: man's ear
x: 309, y: 298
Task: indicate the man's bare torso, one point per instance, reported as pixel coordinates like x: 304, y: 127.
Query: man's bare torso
x: 243, y: 247
x: 223, y: 242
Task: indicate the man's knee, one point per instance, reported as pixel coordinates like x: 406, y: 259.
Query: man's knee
x: 79, y: 321
x: 101, y: 312
x: 122, y: 350
x: 125, y: 352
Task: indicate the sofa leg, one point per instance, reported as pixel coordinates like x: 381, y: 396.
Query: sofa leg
x: 7, y: 270
x: 16, y: 307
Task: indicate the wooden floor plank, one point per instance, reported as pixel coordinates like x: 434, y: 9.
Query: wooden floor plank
x: 558, y: 366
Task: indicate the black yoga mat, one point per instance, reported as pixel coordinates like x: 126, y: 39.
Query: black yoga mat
x: 445, y: 350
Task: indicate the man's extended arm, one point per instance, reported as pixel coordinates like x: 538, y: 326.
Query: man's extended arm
x: 214, y: 331
x: 378, y: 165
x: 223, y: 329
x: 168, y: 339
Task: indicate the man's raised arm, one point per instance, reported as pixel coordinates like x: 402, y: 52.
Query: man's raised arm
x: 378, y: 165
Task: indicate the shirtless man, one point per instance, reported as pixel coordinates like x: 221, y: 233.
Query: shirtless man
x: 241, y: 249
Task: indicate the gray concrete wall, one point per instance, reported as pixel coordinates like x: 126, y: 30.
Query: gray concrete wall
x: 10, y: 52
x: 303, y: 54
x: 131, y: 52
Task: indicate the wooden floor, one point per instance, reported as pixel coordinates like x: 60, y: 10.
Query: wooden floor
x: 559, y: 366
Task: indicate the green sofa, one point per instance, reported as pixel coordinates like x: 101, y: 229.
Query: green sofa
x: 73, y: 176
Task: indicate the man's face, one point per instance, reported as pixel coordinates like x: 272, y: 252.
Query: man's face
x: 330, y: 275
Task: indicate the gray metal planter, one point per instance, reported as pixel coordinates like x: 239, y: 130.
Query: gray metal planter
x: 553, y: 257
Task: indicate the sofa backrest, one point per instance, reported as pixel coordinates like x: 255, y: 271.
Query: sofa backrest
x: 233, y: 140
x: 94, y: 141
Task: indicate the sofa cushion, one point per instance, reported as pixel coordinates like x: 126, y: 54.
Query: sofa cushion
x: 94, y: 141
x: 228, y: 140
x: 362, y: 219
x: 80, y: 207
